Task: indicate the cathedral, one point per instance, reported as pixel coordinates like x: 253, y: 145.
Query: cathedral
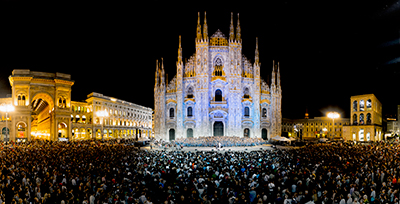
x: 217, y: 92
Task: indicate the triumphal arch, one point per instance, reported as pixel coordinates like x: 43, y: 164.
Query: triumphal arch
x: 42, y: 104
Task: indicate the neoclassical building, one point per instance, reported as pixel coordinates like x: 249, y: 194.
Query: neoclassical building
x: 44, y: 110
x: 217, y: 92
x: 365, y: 120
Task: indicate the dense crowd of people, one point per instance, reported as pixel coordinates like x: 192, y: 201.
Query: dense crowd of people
x: 216, y: 141
x: 93, y: 172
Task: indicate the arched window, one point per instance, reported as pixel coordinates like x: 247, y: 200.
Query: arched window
x: 218, y: 95
x: 246, y: 93
x: 77, y: 119
x: 369, y: 121
x: 83, y: 119
x: 264, y: 113
x: 369, y: 105
x: 354, y: 105
x: 171, y: 112
x: 190, y: 92
x: 355, y: 119
x: 362, y: 119
x: 246, y: 112
x: 361, y: 105
x: 189, y: 112
x: 218, y: 68
x: 21, y: 100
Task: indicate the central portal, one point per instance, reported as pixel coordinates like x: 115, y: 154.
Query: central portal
x: 218, y: 128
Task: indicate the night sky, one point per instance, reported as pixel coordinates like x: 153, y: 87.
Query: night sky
x: 328, y: 50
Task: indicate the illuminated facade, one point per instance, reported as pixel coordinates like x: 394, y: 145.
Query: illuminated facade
x: 44, y: 110
x: 217, y: 92
x: 365, y: 119
x: 317, y: 127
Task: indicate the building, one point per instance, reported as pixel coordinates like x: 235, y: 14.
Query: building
x: 217, y: 92
x: 365, y: 120
x: 317, y: 127
x: 44, y: 110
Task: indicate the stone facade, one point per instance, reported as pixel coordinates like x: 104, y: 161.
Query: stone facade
x: 317, y: 127
x: 365, y: 119
x: 44, y: 110
x: 217, y: 92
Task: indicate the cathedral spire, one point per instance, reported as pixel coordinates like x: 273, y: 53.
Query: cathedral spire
x: 273, y: 73
x: 257, y: 57
x: 278, y: 83
x: 231, y: 29
x: 198, y: 28
x: 205, y: 28
x: 156, y: 80
x: 162, y: 72
x: 238, y: 35
x: 179, y: 51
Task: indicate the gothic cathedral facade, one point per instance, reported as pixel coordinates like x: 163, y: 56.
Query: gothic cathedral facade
x: 217, y: 92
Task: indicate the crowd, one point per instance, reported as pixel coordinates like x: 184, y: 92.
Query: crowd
x: 215, y: 141
x: 111, y: 172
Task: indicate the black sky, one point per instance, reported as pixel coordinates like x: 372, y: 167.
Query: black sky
x: 328, y: 50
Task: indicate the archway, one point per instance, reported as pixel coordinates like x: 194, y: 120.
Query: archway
x: 264, y: 134
x: 246, y: 132
x: 62, y: 131
x: 189, y: 133
x: 21, y: 133
x: 171, y: 134
x: 98, y: 134
x: 110, y: 134
x: 42, y: 107
x: 218, y: 128
x: 5, y: 134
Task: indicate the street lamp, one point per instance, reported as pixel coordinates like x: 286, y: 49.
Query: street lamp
x: 7, y: 109
x: 324, y: 130
x: 333, y: 116
x: 102, y: 114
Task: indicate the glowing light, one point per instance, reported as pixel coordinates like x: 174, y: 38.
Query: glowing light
x: 333, y: 115
x: 7, y: 108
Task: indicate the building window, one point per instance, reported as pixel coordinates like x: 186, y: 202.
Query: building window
x: 361, y: 118
x: 369, y: 105
x: 369, y: 121
x: 246, y: 93
x: 354, y: 105
x: 218, y: 68
x: 21, y: 100
x: 190, y: 92
x: 171, y: 112
x: 264, y: 113
x: 189, y: 112
x: 355, y: 119
x: 361, y: 135
x: 246, y: 112
x: 361, y: 105
x: 218, y: 95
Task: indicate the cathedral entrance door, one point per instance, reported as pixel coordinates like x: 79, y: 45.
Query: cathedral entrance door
x: 218, y: 128
x: 171, y: 134
x: 246, y: 132
x: 189, y: 132
x: 264, y: 134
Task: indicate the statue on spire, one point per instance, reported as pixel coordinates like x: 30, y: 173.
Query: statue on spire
x: 198, y: 27
x: 238, y: 36
x: 205, y: 28
x: 231, y: 29
x: 256, y: 58
x: 179, y: 51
